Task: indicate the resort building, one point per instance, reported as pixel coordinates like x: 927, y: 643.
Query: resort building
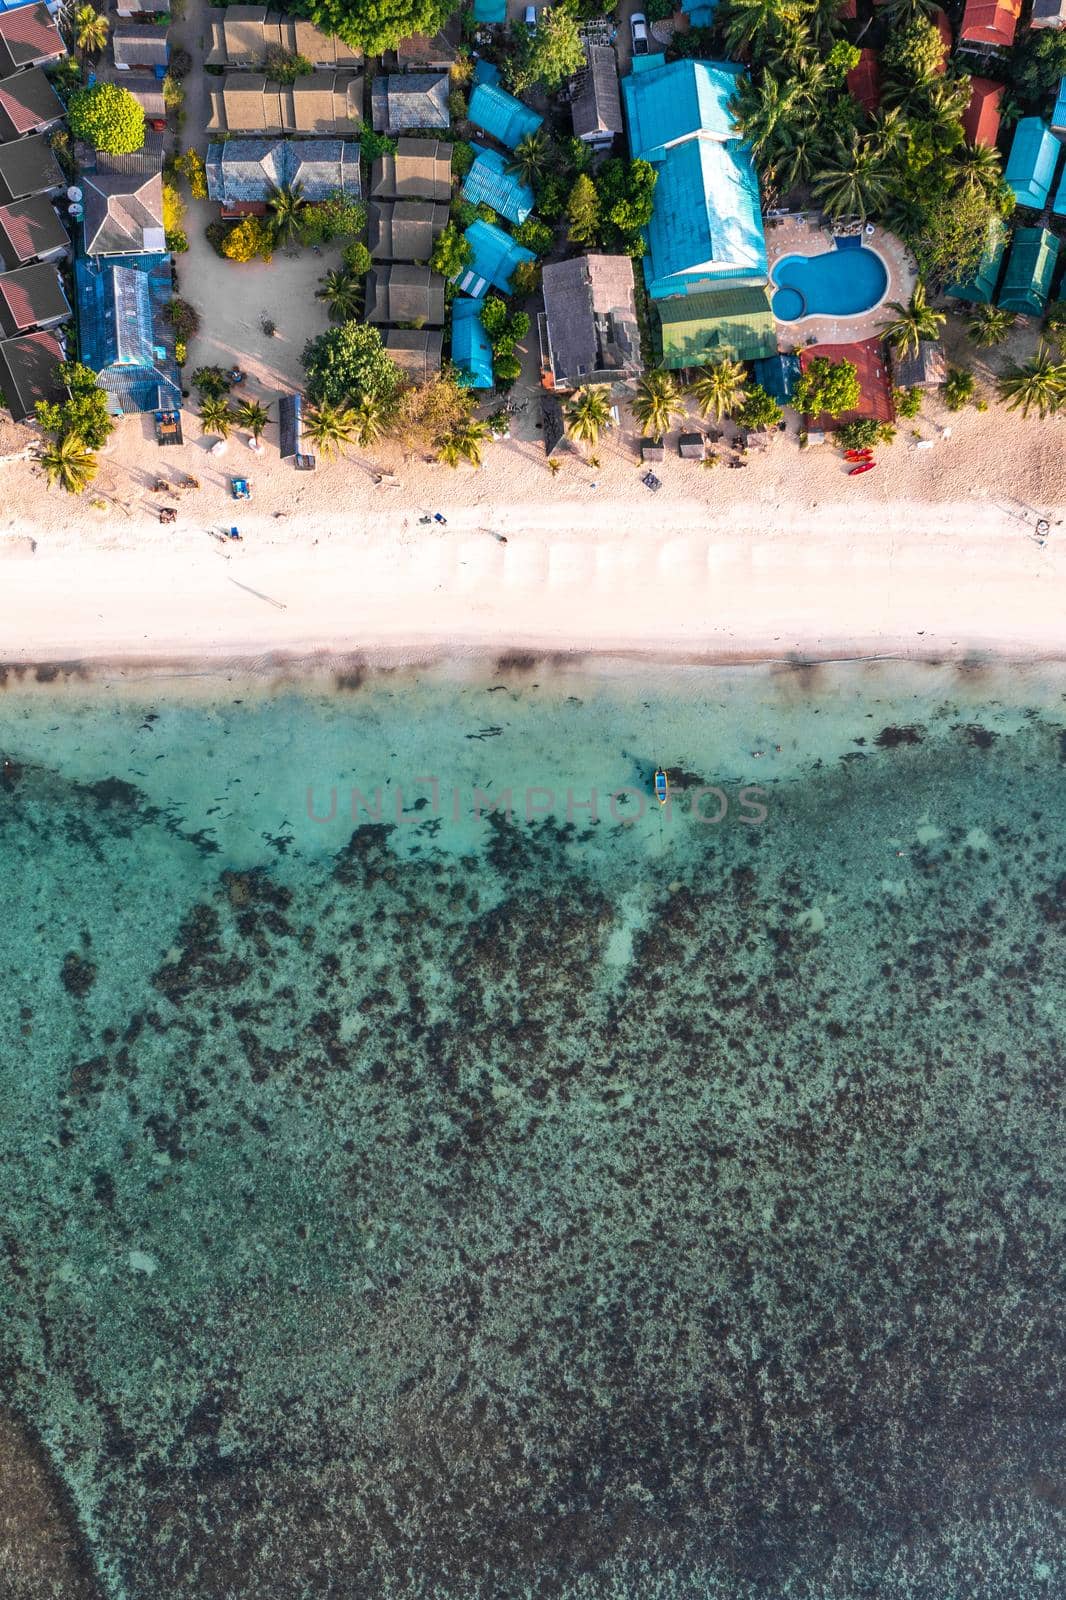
x: 1034, y: 155
x: 927, y: 369
x: 501, y: 116
x: 778, y: 375
x: 436, y: 52
x: 471, y: 350
x: 136, y: 8
x: 496, y: 254
x: 1026, y: 285
x: 148, y: 93
x: 403, y: 293
x: 588, y: 328
x: 404, y: 230
x: 242, y: 174
x: 416, y: 351
x: 990, y: 24
x: 28, y: 38
x: 706, y: 226
x: 980, y: 120
x: 30, y: 298
x: 864, y: 81
x: 980, y: 289
x: 248, y: 36
x: 28, y: 372
x: 30, y: 230
x: 123, y: 333
x: 489, y: 182
x: 403, y: 100
x: 735, y: 321
x: 28, y: 166
x: 1058, y: 115
x: 123, y: 202
x: 325, y: 103
x: 139, y: 47
x: 28, y: 104
x: 420, y: 169
x: 596, y: 100
x: 1048, y: 14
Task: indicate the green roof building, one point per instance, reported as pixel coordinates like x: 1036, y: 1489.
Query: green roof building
x: 734, y: 321
x: 981, y: 288
x: 1030, y: 269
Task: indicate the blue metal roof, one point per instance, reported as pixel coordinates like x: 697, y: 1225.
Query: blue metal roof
x: 1058, y: 116
x: 676, y: 100
x: 121, y: 331
x: 471, y: 350
x: 1031, y: 165
x: 485, y: 71
x: 501, y: 115
x: 488, y: 182
x: 490, y: 10
x: 496, y: 255
x: 700, y: 13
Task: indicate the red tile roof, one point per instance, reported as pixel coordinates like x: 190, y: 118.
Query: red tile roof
x: 864, y: 81
x: 847, y: 9
x: 980, y: 120
x: 875, y: 382
x: 943, y: 27
x: 990, y: 22
x: 28, y: 35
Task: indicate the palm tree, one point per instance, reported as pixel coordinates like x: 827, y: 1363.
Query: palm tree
x: 855, y: 180
x: 978, y: 166
x: 989, y: 325
x: 216, y: 415
x: 342, y: 292
x: 330, y: 427
x: 589, y: 411
x: 530, y: 156
x: 754, y: 23
x: 765, y: 115
x: 286, y: 211
x: 370, y: 420
x: 719, y: 388
x: 912, y: 323
x: 1055, y: 321
x: 657, y: 402
x: 69, y: 461
x: 91, y: 29
x: 890, y: 130
x: 900, y: 12
x: 464, y: 443
x: 1039, y: 382
x: 254, y: 416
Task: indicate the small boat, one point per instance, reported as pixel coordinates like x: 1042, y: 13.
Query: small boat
x: 858, y: 455
x: 662, y: 786
x: 865, y: 466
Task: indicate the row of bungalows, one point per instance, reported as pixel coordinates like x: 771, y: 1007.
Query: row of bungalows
x: 326, y: 102
x: 34, y: 242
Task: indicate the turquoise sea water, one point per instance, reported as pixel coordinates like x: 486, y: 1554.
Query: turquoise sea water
x: 837, y: 283
x: 454, y: 1205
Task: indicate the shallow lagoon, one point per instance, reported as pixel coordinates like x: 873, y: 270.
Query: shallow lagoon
x: 456, y: 1206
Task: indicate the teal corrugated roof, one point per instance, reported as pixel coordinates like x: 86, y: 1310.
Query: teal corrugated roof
x: 1058, y: 116
x: 982, y: 286
x: 1030, y: 269
x: 500, y: 114
x: 700, y: 13
x: 672, y: 101
x: 490, y: 10
x: 486, y: 71
x: 488, y: 182
x: 1059, y: 208
x: 1031, y: 165
x: 496, y: 255
x: 471, y: 350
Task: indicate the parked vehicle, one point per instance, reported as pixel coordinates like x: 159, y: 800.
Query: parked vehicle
x: 638, y: 24
x: 530, y: 18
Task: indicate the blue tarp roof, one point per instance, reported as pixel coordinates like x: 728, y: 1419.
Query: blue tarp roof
x: 700, y: 13
x: 486, y: 71
x: 122, y: 334
x: 1034, y: 155
x: 1058, y: 116
x: 496, y: 255
x: 490, y: 10
x: 471, y: 350
x: 500, y: 114
x: 489, y: 182
x: 706, y: 223
x: 778, y: 375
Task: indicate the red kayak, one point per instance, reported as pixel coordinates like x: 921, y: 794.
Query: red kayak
x: 858, y: 455
x: 865, y: 466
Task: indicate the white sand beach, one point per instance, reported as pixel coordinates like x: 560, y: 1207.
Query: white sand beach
x: 933, y: 554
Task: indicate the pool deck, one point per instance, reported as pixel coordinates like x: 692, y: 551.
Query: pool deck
x: 795, y: 236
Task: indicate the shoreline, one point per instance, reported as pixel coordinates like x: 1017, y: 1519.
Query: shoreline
x: 686, y: 587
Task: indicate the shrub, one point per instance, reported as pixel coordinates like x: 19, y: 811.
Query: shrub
x: 506, y: 368
x: 177, y: 241
x: 908, y: 402
x: 485, y: 212
x: 451, y: 252
x: 659, y: 10
x: 339, y: 216
x: 760, y: 410
x: 828, y: 387
x: 863, y: 434
x: 373, y: 144
x: 462, y: 158
x: 285, y: 66
x: 216, y: 234
x: 463, y: 214
x: 180, y: 64
x: 108, y: 118
x: 184, y: 318
x: 181, y: 352
x: 347, y: 362
x: 84, y: 412
x: 535, y: 235
x: 958, y: 389
x: 247, y: 239
x: 457, y: 105
x: 357, y: 259
x: 191, y: 166
x: 211, y: 383
x: 526, y: 277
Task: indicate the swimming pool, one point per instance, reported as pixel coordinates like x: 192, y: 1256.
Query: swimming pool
x: 837, y: 283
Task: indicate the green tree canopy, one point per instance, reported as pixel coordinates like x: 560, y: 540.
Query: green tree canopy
x: 1039, y: 62
x: 583, y: 211
x: 347, y: 363
x: 108, y: 118
x: 913, y: 53
x: 828, y: 387
x: 760, y: 410
x: 451, y: 252
x: 374, y: 26
x: 83, y: 412
x: 549, y: 53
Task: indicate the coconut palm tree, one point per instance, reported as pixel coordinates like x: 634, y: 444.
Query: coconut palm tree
x: 854, y: 180
x: 900, y: 12
x: 464, y: 443
x: 720, y: 388
x: 286, y: 205
x: 588, y: 411
x: 342, y: 292
x: 656, y: 402
x: 978, y: 166
x: 370, y: 420
x: 890, y: 130
x: 753, y: 23
x: 912, y: 323
x: 69, y: 461
x: 216, y: 415
x: 91, y: 29
x: 254, y: 416
x: 765, y: 114
x: 989, y: 325
x: 530, y: 156
x: 330, y: 427
x: 1039, y: 382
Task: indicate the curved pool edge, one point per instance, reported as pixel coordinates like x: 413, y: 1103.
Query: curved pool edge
x: 829, y: 316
